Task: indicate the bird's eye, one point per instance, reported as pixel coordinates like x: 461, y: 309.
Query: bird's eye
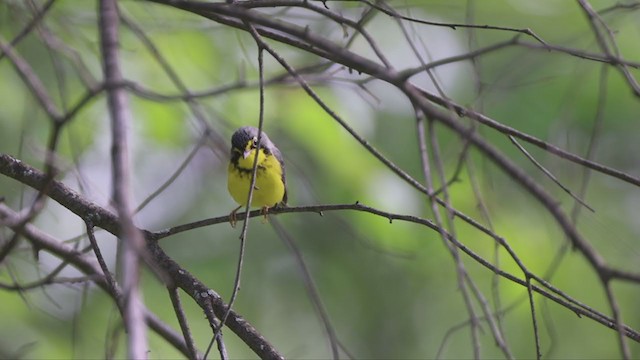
x: 254, y: 142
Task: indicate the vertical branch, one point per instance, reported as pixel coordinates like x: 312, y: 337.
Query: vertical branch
x: 607, y: 43
x: 534, y: 319
x: 111, y: 283
x: 452, y: 247
x: 245, y: 223
x: 133, y: 242
x: 593, y: 140
x: 586, y: 171
x: 615, y: 310
x: 472, y: 41
x: 41, y: 95
x: 182, y: 320
x: 210, y: 314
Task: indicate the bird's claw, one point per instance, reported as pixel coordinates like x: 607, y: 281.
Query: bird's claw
x: 264, y: 212
x: 232, y: 217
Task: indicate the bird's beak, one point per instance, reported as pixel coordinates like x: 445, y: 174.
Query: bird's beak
x: 246, y: 153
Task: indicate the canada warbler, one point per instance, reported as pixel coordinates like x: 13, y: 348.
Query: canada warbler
x: 270, y: 186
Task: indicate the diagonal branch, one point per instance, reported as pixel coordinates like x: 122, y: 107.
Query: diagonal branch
x: 206, y: 298
x: 56, y: 247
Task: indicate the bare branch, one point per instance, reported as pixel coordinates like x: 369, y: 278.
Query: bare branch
x: 320, y: 46
x: 100, y: 217
x: 46, y: 242
x: 31, y: 79
x: 182, y: 319
x: 133, y: 242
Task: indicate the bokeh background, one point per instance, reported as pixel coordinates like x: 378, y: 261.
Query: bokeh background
x: 390, y: 289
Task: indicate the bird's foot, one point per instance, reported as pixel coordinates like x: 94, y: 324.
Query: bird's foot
x: 264, y: 211
x: 232, y: 217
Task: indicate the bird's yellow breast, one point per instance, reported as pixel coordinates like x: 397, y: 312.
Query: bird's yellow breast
x: 269, y: 187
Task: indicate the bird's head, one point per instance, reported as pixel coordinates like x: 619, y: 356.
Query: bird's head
x: 244, y: 144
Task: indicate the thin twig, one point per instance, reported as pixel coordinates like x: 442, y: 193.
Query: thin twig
x: 38, y: 15
x: 111, y: 282
x: 245, y: 223
x: 173, y: 176
x: 391, y: 12
x: 617, y: 316
x: 548, y: 173
x: 507, y: 130
x: 310, y: 285
x: 33, y: 82
x: 451, y: 241
x: 187, y: 95
x: 84, y: 264
x: 534, y: 320
x: 182, y: 320
x: 607, y: 43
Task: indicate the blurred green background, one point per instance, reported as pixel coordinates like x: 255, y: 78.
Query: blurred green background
x: 390, y: 289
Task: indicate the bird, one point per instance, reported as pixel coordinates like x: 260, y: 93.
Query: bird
x: 270, y: 188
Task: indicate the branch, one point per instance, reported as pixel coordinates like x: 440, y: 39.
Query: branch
x: 58, y: 248
x: 206, y: 298
x: 37, y: 88
x: 133, y: 242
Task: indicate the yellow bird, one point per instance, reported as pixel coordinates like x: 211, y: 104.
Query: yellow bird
x: 270, y: 187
